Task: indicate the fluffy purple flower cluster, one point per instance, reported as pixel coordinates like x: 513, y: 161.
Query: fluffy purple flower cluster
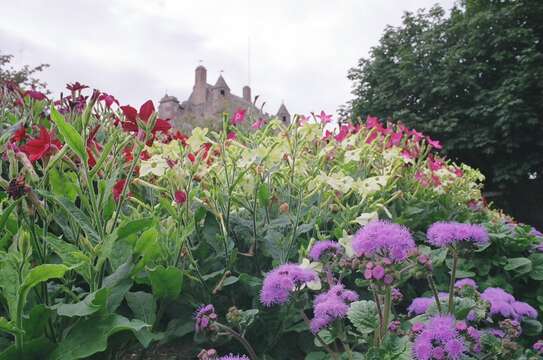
x: 538, y: 346
x: 203, y: 317
x: 443, y: 234
x: 283, y: 280
x: 321, y: 248
x: 504, y: 304
x: 465, y: 282
x: 440, y: 339
x: 383, y: 239
x: 330, y: 306
x: 420, y: 305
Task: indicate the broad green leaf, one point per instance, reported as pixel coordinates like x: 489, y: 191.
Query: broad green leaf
x: 7, y: 212
x: 34, y: 325
x: 71, y: 256
x: 521, y: 265
x: 63, y: 184
x: 166, y: 282
x: 134, y: 226
x: 92, y: 303
x: 264, y: 194
x: 9, y: 327
x: 42, y: 273
x: 363, y: 315
x: 70, y: 135
x: 143, y: 305
x: 537, y: 267
x: 90, y: 336
x: 32, y: 349
x: 78, y: 216
x: 531, y: 327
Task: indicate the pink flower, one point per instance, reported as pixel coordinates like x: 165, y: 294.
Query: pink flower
x: 258, y: 124
x: 434, y: 143
x: 325, y: 119
x: 344, y: 131
x: 108, y: 99
x: 458, y: 172
x: 434, y: 164
x: 303, y: 119
x: 76, y: 86
x: 231, y: 136
x: 238, y: 117
x: 418, y: 136
x: 35, y: 95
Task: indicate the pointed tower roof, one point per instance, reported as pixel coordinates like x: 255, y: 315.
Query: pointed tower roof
x: 221, y: 83
x: 167, y: 98
x: 282, y: 109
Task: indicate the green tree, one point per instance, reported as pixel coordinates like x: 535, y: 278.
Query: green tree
x: 24, y: 77
x: 472, y: 78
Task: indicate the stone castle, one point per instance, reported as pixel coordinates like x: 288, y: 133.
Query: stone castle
x: 207, y: 103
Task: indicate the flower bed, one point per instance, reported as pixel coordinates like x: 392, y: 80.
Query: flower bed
x: 119, y: 233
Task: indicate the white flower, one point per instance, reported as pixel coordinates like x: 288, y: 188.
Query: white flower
x: 155, y: 165
x: 317, y: 267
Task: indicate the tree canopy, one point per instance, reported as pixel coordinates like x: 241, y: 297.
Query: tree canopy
x: 24, y: 77
x: 473, y: 77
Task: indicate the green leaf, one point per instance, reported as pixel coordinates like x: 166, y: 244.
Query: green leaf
x: 264, y: 194
x: 134, y: 226
x: 69, y: 134
x: 9, y: 327
x: 42, y: 273
x: 63, y: 184
x: 537, y: 267
x: 91, y: 304
x: 143, y: 305
x: 36, y: 322
x: 71, y: 256
x: 363, y: 315
x: 90, y: 336
x: 521, y: 265
x: 78, y: 216
x: 166, y: 282
x: 531, y: 327
x: 33, y: 349
x: 7, y: 212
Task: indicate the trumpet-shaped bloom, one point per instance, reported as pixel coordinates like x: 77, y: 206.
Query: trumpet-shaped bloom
x: 43, y: 145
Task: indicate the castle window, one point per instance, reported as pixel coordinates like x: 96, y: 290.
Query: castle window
x: 222, y: 92
x: 284, y: 119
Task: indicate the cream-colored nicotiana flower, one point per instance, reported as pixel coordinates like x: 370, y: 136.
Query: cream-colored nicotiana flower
x: 317, y: 267
x: 337, y: 181
x: 310, y: 132
x: 353, y: 155
x: 171, y: 150
x: 155, y: 165
x: 370, y: 185
x: 346, y: 241
x: 197, y: 138
x: 364, y: 218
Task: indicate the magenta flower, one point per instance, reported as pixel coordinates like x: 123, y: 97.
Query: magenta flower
x: 108, y: 99
x: 434, y: 143
x: 538, y: 347
x: 324, y: 118
x: 331, y: 305
x: 344, y: 131
x: 76, y: 86
x: 180, y: 197
x: 439, y: 340
x: 203, y: 317
x: 258, y: 124
x: 321, y: 248
x: 443, y: 234
x: 282, y: 281
x: 238, y: 117
x: 383, y: 239
x: 35, y: 95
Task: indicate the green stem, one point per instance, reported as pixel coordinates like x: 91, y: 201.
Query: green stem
x: 388, y: 306
x: 326, y: 347
x: 239, y: 338
x: 377, y: 338
x: 453, y: 279
x: 434, y: 291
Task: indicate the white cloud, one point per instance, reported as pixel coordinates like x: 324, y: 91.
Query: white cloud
x: 136, y: 49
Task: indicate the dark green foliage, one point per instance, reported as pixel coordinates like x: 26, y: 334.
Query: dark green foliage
x: 472, y: 78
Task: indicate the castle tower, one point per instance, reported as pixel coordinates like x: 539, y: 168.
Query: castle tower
x: 200, y: 86
x: 168, y: 107
x: 247, y: 93
x: 283, y: 114
x: 220, y: 91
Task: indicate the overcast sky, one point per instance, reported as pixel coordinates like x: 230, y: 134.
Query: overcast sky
x: 300, y: 50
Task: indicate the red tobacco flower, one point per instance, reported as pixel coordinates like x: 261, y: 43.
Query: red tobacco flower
x: 434, y: 143
x: 231, y: 136
x: 76, y: 86
x: 118, y: 189
x: 344, y: 131
x: 19, y: 135
x: 180, y: 197
x: 146, y: 110
x: 108, y: 99
x: 38, y: 147
x: 35, y: 95
x: 325, y: 119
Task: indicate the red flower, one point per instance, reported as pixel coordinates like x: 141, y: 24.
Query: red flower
x: 35, y: 95
x: 38, y: 147
x: 231, y: 136
x: 118, y: 189
x: 434, y: 164
x: 181, y: 137
x: 180, y: 197
x: 146, y: 110
x: 76, y: 86
x: 108, y: 99
x: 19, y: 135
x: 238, y: 117
x: 343, y: 133
x: 434, y: 143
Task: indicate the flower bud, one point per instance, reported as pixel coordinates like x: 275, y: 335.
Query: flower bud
x: 284, y: 208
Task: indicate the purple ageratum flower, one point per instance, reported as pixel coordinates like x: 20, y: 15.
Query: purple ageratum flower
x: 283, y: 280
x: 321, y: 248
x: 233, y: 357
x: 420, y: 305
x: 538, y: 346
x: 536, y: 233
x: 504, y: 304
x: 443, y: 234
x: 383, y: 239
x: 439, y: 340
x: 203, y: 317
x: 539, y: 247
x: 331, y: 305
x: 465, y: 282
